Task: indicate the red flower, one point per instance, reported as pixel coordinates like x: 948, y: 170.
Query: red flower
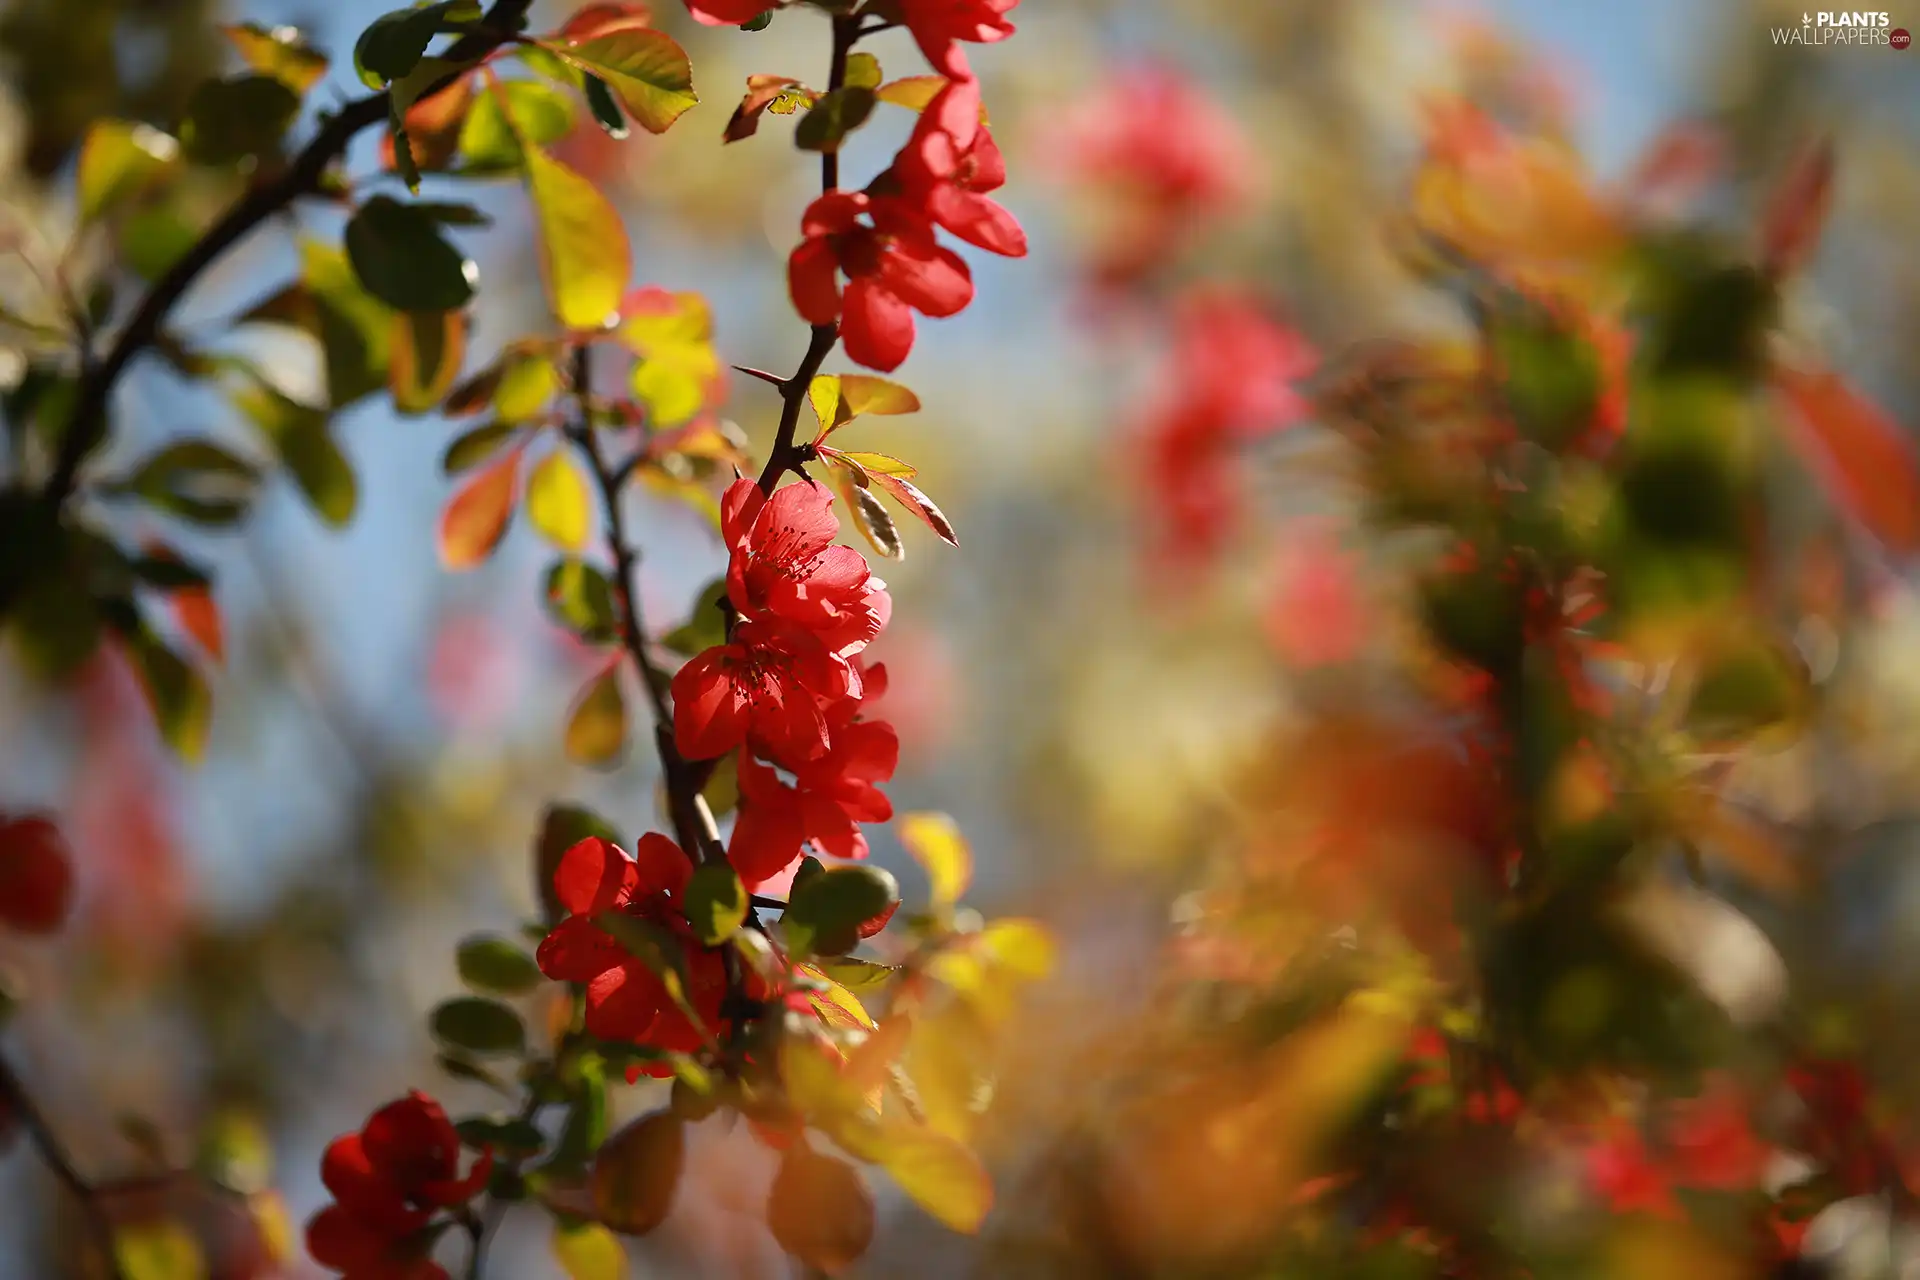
x: 625, y: 998
x: 36, y: 875
x: 1230, y: 377
x: 938, y: 26
x: 726, y: 13
x: 388, y: 1180
x: 1625, y: 1176
x: 828, y: 800
x: 893, y: 269
x: 767, y: 687
x: 1712, y: 1141
x: 949, y: 164
x: 784, y: 564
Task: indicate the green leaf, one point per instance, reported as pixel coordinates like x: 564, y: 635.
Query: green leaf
x: 479, y: 1026
x: 705, y: 627
x: 597, y: 723
x: 605, y: 108
x: 832, y: 118
x: 579, y: 598
x: 299, y: 433
x: 398, y: 253
x: 1752, y: 685
x: 856, y: 975
x: 584, y: 255
x: 229, y: 120
x: 118, y: 161
x: 354, y: 327
x: 586, y: 1126
x: 496, y: 966
x: 759, y: 22
x: 473, y: 447
x: 195, y: 480
x: 588, y: 1251
x: 646, y: 68
x: 427, y: 350
x: 1552, y: 377
x: 514, y: 1137
x: 826, y: 911
x: 395, y: 42
x: 494, y: 141
x: 716, y: 902
x: 176, y: 692
x: 559, y: 504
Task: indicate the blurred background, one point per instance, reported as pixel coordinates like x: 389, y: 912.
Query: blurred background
x: 260, y: 936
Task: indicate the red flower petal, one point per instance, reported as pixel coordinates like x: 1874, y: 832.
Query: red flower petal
x: 594, y: 876
x: 662, y: 866
x: 813, y: 280
x: 878, y: 327
x: 709, y: 715
x: 623, y: 1002
x: 578, y: 951
x: 932, y: 280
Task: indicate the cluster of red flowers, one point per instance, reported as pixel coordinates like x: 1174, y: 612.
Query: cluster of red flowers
x: 789, y: 687
x: 389, y: 1181
x: 882, y: 238
x: 1229, y: 378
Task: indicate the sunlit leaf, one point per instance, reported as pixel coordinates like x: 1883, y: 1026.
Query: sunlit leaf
x: 762, y: 92
x: 647, y: 69
x: 916, y: 92
x: 579, y: 598
x: 679, y: 372
x: 835, y: 115
x: 597, y: 723
x: 601, y: 17
x: 935, y: 842
x: 159, y: 1249
x: 495, y: 966
x: 508, y: 119
x: 118, y: 160
x: 300, y: 435
x: 919, y: 504
x: 559, y: 504
x: 281, y: 52
x: 584, y: 254
x: 426, y: 352
x: 863, y: 71
x: 588, y: 1251
x: 716, y: 902
x: 941, y: 1174
x: 176, y: 693
x: 475, y: 519
x: 434, y: 126
x: 474, y: 447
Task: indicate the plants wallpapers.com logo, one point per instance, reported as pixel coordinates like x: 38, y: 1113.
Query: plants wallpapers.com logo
x: 1856, y: 28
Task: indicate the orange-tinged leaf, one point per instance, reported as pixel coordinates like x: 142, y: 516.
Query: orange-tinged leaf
x: 559, y: 503
x: 1020, y: 948
x: 837, y: 1006
x: 941, y: 1174
x: 647, y: 69
x: 1866, y: 461
x: 280, y: 52
x: 908, y: 495
x: 426, y: 352
x: 584, y: 254
x: 474, y: 521
x: 433, y: 127
x: 598, y: 19
x: 1797, y: 210
x: 935, y: 842
x: 597, y: 723
x: 194, y: 609
x: 762, y: 91
x: 869, y: 514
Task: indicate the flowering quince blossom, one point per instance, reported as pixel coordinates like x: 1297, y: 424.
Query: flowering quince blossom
x: 387, y: 1181
x: 938, y: 27
x: 766, y: 686
x: 1230, y: 377
x: 784, y: 563
x: 948, y: 166
x: 625, y: 998
x: 893, y: 268
x: 828, y: 800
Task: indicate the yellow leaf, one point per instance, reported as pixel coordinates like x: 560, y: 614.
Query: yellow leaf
x: 159, y: 1251
x: 526, y: 384
x: 1020, y: 948
x: 679, y: 370
x: 824, y: 394
x: 645, y: 67
x: 584, y: 255
x: 588, y: 1251
x: 279, y: 52
x: 118, y: 160
x: 473, y: 522
x: 935, y: 842
x: 813, y: 1080
x: 941, y: 1174
x: 558, y: 503
x: 915, y: 92
x: 865, y: 393
x: 881, y: 464
x: 597, y: 724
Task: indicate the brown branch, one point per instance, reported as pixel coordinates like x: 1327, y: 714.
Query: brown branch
x: 15, y: 1099
x: 303, y: 176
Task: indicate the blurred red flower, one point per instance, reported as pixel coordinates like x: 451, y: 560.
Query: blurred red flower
x: 893, y: 268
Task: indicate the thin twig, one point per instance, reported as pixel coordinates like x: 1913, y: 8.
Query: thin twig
x: 303, y: 176
x: 53, y: 1153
